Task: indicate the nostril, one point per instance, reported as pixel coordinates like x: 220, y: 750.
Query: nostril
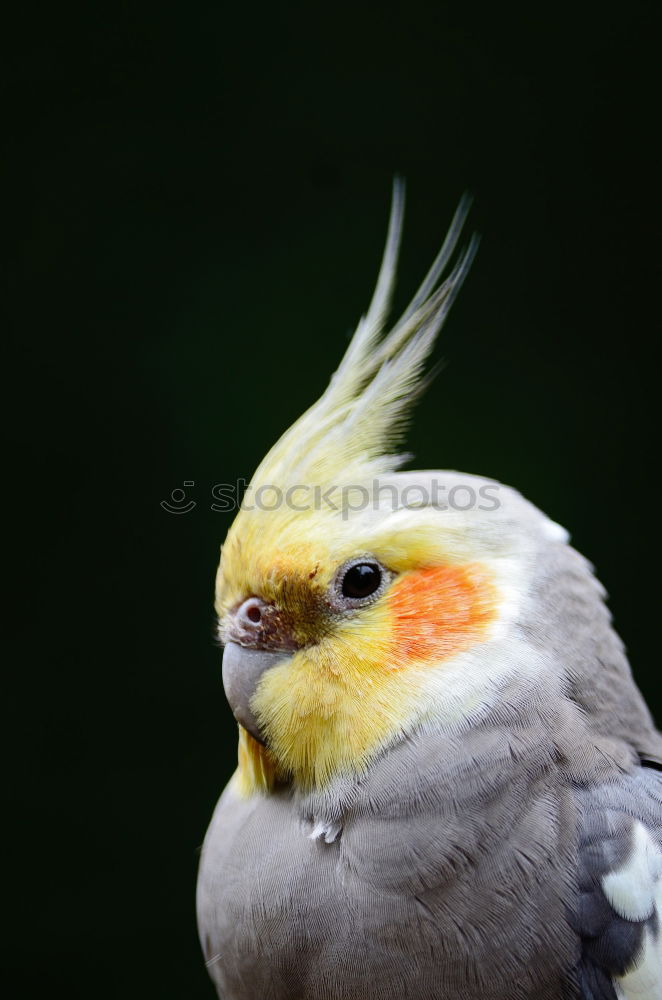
x: 250, y: 611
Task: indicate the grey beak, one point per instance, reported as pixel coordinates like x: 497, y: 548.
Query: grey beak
x: 242, y: 670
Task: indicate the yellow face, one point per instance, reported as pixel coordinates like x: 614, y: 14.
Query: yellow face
x: 359, y: 630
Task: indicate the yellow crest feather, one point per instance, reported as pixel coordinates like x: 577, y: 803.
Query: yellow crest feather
x: 349, y: 431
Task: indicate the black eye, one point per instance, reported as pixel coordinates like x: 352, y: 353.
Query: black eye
x: 361, y: 580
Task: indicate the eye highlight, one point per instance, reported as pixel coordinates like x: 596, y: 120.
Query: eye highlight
x: 361, y: 580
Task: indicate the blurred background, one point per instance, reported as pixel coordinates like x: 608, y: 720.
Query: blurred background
x: 197, y: 197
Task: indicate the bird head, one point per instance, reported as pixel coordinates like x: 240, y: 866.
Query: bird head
x: 357, y: 602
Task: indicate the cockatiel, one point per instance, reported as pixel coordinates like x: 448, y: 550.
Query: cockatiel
x: 449, y: 785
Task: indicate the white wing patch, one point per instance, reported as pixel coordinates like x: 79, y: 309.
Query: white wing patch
x: 635, y: 892
x: 631, y: 889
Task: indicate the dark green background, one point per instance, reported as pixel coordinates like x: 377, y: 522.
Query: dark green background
x: 197, y: 198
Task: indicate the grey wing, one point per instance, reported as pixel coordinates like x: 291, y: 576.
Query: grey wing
x: 618, y: 912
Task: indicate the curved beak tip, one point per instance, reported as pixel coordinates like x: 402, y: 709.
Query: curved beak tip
x: 243, y: 668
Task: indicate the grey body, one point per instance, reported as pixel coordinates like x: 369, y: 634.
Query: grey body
x: 465, y: 865
x: 453, y: 886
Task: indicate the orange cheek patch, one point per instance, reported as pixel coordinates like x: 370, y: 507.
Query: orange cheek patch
x: 440, y: 611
